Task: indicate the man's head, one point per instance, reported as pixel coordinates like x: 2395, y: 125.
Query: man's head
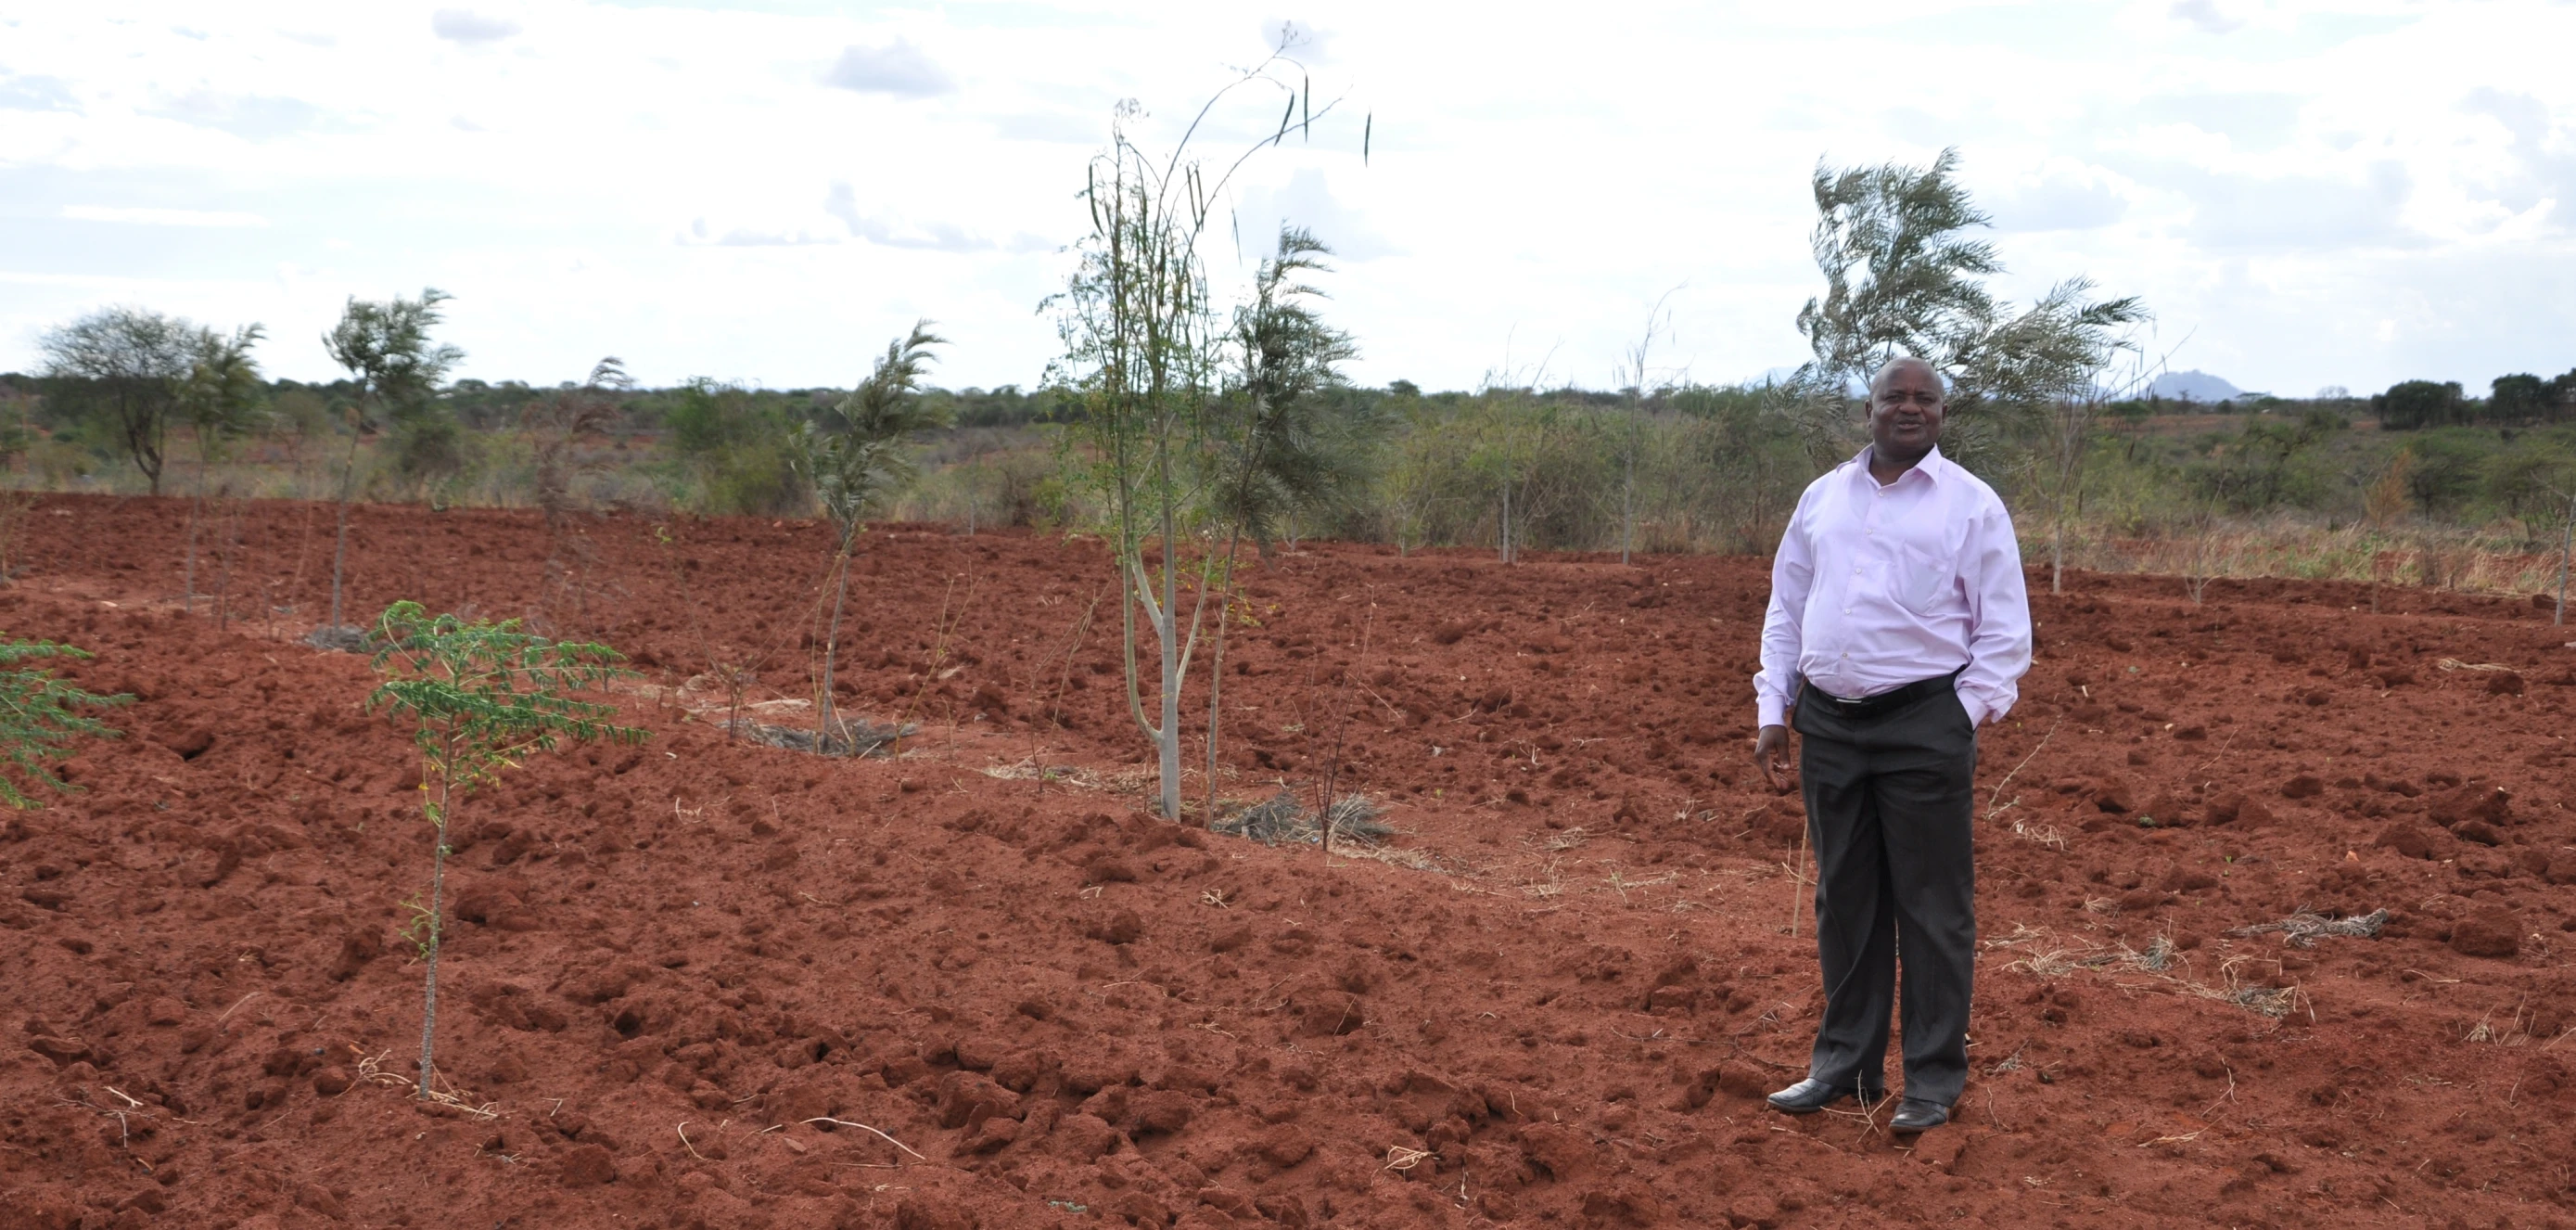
x: 1905, y: 409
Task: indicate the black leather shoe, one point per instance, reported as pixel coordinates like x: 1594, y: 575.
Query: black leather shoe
x: 1917, y: 1115
x: 1812, y: 1095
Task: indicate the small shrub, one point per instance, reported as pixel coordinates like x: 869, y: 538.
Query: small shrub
x: 481, y: 696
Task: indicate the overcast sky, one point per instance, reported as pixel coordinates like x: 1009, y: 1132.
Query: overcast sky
x: 2306, y: 194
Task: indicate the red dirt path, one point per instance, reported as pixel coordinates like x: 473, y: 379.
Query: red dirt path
x: 1561, y: 998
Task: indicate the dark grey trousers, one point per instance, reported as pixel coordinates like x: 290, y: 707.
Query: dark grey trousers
x: 1889, y: 804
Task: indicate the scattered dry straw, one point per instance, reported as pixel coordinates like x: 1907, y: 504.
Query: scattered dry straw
x: 2303, y: 930
x: 1352, y: 820
x: 857, y: 737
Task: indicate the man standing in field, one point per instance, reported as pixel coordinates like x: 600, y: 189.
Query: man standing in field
x: 1898, y: 625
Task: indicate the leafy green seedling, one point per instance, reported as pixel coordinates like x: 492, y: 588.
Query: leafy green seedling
x: 481, y: 696
x: 36, y: 719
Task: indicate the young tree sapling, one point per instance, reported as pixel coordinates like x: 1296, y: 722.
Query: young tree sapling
x: 859, y: 456
x: 386, y: 347
x: 481, y: 696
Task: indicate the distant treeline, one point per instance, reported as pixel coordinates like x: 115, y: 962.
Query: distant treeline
x: 2522, y: 400
x: 1672, y: 469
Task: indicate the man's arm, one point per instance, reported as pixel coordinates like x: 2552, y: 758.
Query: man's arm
x: 1793, y: 569
x: 1998, y: 617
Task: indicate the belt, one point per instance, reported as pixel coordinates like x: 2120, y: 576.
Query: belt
x: 1884, y: 702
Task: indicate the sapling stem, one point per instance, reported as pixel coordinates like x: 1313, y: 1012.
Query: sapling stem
x: 437, y: 902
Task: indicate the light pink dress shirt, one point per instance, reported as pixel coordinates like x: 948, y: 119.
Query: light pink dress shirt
x: 1877, y: 587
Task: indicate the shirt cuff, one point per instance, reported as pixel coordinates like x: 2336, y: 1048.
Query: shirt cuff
x: 1979, y: 708
x: 1768, y: 710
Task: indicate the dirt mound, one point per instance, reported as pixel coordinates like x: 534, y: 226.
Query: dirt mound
x: 706, y: 982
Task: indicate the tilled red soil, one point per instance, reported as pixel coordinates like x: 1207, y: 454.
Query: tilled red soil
x: 1557, y: 1001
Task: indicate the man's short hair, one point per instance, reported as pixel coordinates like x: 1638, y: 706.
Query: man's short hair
x: 1939, y: 381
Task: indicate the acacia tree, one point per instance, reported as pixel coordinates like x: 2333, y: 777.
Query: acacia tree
x: 386, y: 348
x: 855, y: 458
x: 222, y: 398
x: 481, y: 697
x: 1142, y: 350
x: 126, y: 363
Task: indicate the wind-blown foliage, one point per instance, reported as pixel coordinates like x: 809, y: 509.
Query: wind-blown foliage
x: 37, y: 724
x: 1900, y: 278
x: 481, y: 697
x: 1903, y: 278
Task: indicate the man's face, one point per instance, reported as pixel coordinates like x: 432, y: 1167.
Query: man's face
x: 1905, y: 409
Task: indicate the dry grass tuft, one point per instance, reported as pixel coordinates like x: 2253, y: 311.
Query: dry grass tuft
x: 1351, y: 821
x: 2161, y: 961
x: 2303, y: 930
x: 1558, y: 843
x: 1029, y: 770
x: 371, y: 1070
x: 857, y: 737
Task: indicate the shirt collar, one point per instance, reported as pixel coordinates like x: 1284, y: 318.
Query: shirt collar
x: 1932, y: 466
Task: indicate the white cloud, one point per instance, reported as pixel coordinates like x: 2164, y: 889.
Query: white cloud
x: 1306, y: 200
x: 2206, y: 16
x: 139, y: 216
x: 898, y: 68
x: 34, y: 93
x: 254, y: 117
x: 2064, y: 199
x: 468, y: 26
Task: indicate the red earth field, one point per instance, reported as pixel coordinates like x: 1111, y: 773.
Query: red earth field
x: 1554, y: 1000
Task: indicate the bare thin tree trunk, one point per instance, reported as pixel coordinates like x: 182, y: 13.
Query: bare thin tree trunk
x: 224, y: 574
x: 1169, y: 743
x: 2057, y: 556
x: 1628, y: 498
x: 429, y: 983
x: 826, y: 723
x: 188, y: 574
x: 2566, y: 546
x: 1216, y: 672
x: 340, y: 537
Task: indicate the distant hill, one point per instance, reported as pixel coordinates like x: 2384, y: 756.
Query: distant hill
x: 2193, y: 386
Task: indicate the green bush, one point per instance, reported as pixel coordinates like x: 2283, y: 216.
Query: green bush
x: 734, y: 448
